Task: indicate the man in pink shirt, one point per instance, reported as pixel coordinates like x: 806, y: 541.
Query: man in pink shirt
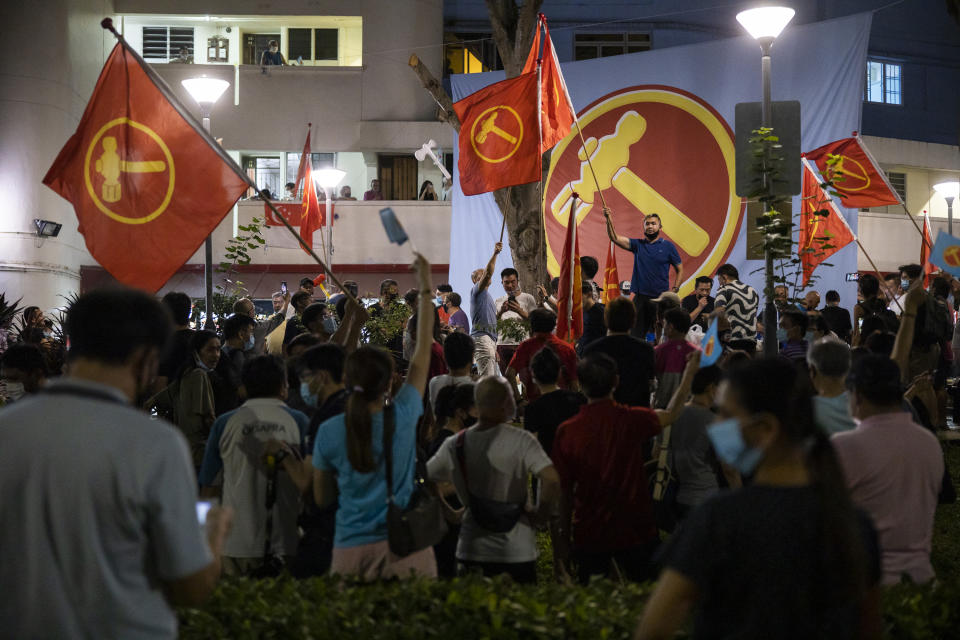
x: 670, y: 358
x: 893, y: 468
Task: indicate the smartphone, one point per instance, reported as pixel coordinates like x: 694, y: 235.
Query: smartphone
x: 203, y: 506
x: 283, y: 287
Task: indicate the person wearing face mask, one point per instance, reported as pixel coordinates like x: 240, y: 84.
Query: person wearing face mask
x: 829, y: 363
x: 272, y: 56
x: 652, y: 258
x: 236, y: 440
x: 294, y: 327
x: 238, y: 341
x: 263, y: 328
x: 23, y: 371
x: 440, y: 300
x: 787, y: 556
x: 489, y: 464
x: 792, y: 335
x: 694, y: 461
x: 126, y: 547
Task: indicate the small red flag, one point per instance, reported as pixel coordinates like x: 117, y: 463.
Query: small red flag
x: 304, y: 160
x: 864, y: 184
x: 821, y: 236
x: 926, y: 244
x: 499, y: 146
x: 611, y: 279
x: 147, y: 184
x: 311, y: 217
x: 556, y: 108
x: 289, y: 210
x: 570, y: 298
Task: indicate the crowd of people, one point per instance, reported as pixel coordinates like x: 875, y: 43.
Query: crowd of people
x: 767, y: 496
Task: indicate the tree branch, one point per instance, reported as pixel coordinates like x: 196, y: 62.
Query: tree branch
x: 436, y: 90
x: 502, y: 15
x: 526, y: 21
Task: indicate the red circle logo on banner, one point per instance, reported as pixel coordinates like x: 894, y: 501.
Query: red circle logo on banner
x: 654, y: 149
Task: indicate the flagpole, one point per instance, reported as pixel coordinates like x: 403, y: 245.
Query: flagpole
x: 583, y: 145
x: 540, y: 151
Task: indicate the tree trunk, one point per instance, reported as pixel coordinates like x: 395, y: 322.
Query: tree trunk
x: 513, y: 29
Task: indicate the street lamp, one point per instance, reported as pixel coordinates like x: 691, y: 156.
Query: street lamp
x: 765, y: 24
x: 949, y: 191
x: 329, y: 179
x: 206, y: 91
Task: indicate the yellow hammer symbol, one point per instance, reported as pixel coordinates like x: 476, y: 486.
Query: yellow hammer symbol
x: 489, y: 125
x: 110, y: 166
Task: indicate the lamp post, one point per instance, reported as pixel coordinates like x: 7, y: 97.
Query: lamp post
x: 765, y: 24
x: 206, y: 91
x: 949, y: 191
x: 329, y: 179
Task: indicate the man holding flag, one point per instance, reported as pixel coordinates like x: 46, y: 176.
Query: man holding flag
x: 483, y: 321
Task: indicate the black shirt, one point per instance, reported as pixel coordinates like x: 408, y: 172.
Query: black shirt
x: 838, y: 320
x: 546, y: 413
x: 334, y: 406
x: 594, y: 327
x: 755, y: 555
x: 689, y: 304
x: 176, y: 354
x: 635, y: 367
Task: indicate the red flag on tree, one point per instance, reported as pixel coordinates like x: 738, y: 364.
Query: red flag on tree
x: 148, y: 184
x: 311, y: 217
x: 611, y: 279
x: 304, y: 159
x: 570, y: 293
x: 556, y: 107
x: 499, y: 146
x: 926, y: 244
x: 863, y: 183
x: 823, y: 229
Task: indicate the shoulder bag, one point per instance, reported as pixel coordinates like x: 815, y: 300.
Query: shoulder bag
x: 493, y: 515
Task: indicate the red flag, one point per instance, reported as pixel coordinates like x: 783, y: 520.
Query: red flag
x: 821, y: 236
x: 864, y: 184
x: 611, y: 279
x: 556, y: 107
x: 570, y: 298
x: 311, y: 218
x: 147, y: 183
x: 498, y: 136
x: 289, y: 210
x: 926, y: 244
x: 304, y: 159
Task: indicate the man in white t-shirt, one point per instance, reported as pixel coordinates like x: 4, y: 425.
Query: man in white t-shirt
x: 498, y: 459
x: 458, y: 354
x: 236, y: 447
x: 515, y: 305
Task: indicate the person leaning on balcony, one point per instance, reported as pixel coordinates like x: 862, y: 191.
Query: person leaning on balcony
x: 272, y: 56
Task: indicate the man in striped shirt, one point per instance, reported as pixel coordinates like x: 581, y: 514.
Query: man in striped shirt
x: 740, y: 303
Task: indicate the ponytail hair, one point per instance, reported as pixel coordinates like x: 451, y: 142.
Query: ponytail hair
x: 368, y: 372
x: 777, y: 387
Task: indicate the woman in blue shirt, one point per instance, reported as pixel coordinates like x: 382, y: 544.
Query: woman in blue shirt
x: 348, y: 454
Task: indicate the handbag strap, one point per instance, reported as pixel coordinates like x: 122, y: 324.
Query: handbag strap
x: 461, y: 458
x: 389, y: 424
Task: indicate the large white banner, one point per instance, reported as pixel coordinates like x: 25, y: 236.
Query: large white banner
x: 659, y: 128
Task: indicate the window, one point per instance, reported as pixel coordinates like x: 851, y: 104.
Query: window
x: 587, y: 46
x: 265, y: 171
x: 883, y: 82
x: 470, y: 53
x: 899, y: 183
x: 163, y: 43
x: 313, y: 44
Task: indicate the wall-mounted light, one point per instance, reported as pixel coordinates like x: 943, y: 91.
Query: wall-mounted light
x: 47, y: 228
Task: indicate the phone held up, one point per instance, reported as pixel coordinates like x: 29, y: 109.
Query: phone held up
x: 283, y: 287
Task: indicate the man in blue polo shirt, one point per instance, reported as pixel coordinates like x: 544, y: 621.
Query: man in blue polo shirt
x: 652, y: 258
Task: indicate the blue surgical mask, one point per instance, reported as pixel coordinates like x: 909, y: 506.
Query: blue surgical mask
x: 330, y: 325
x: 781, y: 335
x: 438, y: 301
x: 730, y: 446
x: 309, y: 398
x: 904, y: 284
x: 808, y: 336
x: 250, y: 343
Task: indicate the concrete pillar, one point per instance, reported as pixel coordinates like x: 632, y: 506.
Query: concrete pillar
x: 54, y: 51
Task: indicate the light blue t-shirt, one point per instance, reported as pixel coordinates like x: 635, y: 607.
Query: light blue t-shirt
x: 362, y: 513
x: 483, y: 313
x: 833, y: 414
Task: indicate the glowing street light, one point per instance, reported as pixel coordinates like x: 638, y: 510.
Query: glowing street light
x: 949, y: 191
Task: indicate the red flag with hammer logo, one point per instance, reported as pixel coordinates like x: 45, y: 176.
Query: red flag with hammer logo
x: 570, y: 293
x: 857, y: 177
x: 556, y: 107
x: 499, y: 142
x: 823, y: 229
x: 147, y: 184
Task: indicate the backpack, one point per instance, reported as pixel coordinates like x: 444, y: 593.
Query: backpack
x: 877, y: 309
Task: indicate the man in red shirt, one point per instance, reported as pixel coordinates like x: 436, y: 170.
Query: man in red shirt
x: 542, y: 324
x: 599, y: 455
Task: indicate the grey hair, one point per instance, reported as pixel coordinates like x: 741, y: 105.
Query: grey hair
x: 830, y: 356
x: 492, y: 392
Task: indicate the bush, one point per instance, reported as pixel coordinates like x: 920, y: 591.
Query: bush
x: 472, y: 607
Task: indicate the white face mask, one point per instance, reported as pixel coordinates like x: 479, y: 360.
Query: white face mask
x: 15, y: 391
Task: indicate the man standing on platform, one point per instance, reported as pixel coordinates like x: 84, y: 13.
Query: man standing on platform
x: 484, y: 317
x: 652, y: 258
